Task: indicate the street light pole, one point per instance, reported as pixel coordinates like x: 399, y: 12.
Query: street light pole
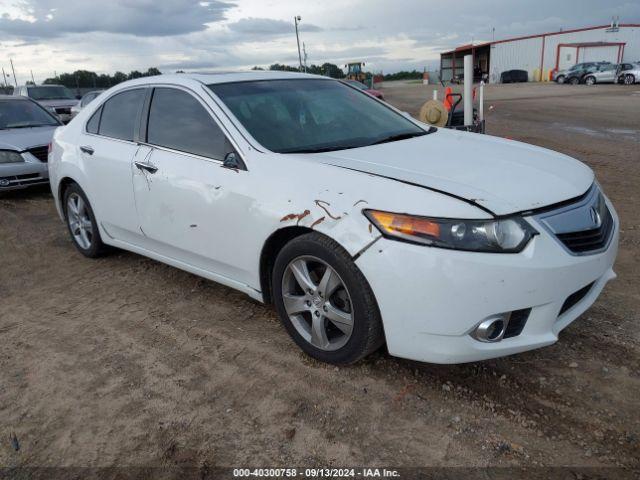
x: 14, y: 72
x: 296, y: 19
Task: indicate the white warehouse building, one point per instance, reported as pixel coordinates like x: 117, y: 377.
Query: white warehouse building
x: 540, y: 54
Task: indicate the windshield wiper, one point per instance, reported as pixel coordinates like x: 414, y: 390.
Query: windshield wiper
x: 31, y: 125
x: 399, y: 136
x: 330, y: 148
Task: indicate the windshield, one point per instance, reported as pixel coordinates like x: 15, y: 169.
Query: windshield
x: 23, y: 114
x: 356, y: 84
x: 308, y: 115
x: 50, y: 93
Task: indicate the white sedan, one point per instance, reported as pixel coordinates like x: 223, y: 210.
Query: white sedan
x: 362, y: 225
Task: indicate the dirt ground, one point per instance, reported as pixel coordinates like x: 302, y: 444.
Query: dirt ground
x: 125, y: 361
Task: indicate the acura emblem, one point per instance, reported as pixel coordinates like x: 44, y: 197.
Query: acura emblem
x: 595, y: 217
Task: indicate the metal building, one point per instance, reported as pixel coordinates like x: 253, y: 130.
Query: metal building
x: 542, y: 53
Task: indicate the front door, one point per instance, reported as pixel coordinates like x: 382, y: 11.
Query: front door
x: 107, y: 150
x: 190, y: 207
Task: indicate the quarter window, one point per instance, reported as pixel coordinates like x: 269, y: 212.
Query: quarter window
x: 120, y: 114
x: 94, y: 122
x: 178, y: 121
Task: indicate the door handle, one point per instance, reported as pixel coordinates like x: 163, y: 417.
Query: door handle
x: 146, y: 166
x: 86, y: 149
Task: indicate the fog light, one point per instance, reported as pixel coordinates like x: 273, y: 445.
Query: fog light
x: 4, y: 182
x: 492, y: 329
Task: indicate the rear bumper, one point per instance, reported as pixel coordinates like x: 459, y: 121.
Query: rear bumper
x: 431, y: 299
x: 14, y: 176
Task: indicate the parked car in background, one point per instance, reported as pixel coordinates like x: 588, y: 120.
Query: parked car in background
x: 58, y: 99
x: 514, y: 76
x: 361, y: 86
x: 86, y: 99
x: 630, y: 75
x: 605, y: 73
x: 362, y: 225
x: 560, y: 76
x: 26, y: 129
x: 578, y: 75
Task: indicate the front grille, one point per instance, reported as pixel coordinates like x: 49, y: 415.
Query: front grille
x: 41, y: 153
x: 575, y: 298
x: 517, y: 321
x: 63, y: 110
x: 22, y: 180
x: 589, y: 240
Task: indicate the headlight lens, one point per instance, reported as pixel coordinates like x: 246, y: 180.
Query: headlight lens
x: 506, y: 235
x: 9, y: 156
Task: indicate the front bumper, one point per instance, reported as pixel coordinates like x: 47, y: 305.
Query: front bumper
x: 431, y: 298
x: 14, y: 176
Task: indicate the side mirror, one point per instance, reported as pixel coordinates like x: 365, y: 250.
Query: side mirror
x: 231, y: 161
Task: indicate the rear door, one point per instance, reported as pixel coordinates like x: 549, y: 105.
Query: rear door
x: 108, y: 148
x: 190, y: 207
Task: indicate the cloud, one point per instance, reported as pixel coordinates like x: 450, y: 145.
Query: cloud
x: 144, y: 18
x: 269, y: 26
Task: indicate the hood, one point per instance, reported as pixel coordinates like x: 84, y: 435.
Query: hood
x: 502, y: 176
x: 58, y: 103
x: 21, y: 139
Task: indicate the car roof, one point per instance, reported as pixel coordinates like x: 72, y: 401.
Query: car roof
x: 223, y: 77
x: 15, y: 97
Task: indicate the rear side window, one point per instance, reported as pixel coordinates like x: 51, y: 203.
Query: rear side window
x: 120, y: 114
x: 178, y: 121
x: 94, y: 122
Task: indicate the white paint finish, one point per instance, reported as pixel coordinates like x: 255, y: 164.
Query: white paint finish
x: 599, y: 54
x: 449, y: 293
x: 520, y: 55
x: 211, y: 221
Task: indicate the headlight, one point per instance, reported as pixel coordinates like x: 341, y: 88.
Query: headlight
x: 506, y: 235
x: 9, y: 156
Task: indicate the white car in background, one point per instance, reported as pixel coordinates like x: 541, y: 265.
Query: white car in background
x: 86, y: 99
x: 362, y: 225
x: 630, y: 75
x: 58, y: 99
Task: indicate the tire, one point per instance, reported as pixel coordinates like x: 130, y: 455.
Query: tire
x: 629, y: 79
x: 93, y: 247
x: 590, y: 80
x: 320, y: 254
x: 574, y: 80
x: 560, y: 79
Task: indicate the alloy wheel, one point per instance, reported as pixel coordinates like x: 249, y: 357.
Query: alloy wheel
x: 79, y: 221
x: 317, y: 303
x: 629, y: 80
x: 590, y: 81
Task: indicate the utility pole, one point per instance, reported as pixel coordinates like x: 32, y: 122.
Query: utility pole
x: 32, y: 79
x: 304, y: 52
x: 296, y: 19
x: 15, y: 79
x: 5, y: 78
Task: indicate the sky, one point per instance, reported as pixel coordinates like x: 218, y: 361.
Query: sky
x: 47, y: 36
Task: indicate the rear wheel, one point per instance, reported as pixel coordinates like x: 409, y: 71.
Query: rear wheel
x: 324, y: 301
x: 81, y: 222
x: 629, y: 79
x: 590, y: 80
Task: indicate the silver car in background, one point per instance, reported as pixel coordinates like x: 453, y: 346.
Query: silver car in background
x: 630, y: 75
x: 26, y: 129
x: 87, y: 98
x: 58, y: 99
x: 606, y: 73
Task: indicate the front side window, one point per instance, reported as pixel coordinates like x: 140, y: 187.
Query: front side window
x: 50, y: 93
x: 177, y: 120
x: 120, y: 114
x: 307, y: 116
x: 24, y: 114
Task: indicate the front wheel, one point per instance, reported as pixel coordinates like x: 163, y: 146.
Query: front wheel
x: 560, y: 79
x: 590, y: 80
x: 574, y: 81
x: 629, y: 79
x: 324, y: 301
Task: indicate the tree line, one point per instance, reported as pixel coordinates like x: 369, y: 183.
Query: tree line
x: 327, y: 69
x: 88, y: 79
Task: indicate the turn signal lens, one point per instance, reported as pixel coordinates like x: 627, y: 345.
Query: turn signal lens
x: 505, y: 235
